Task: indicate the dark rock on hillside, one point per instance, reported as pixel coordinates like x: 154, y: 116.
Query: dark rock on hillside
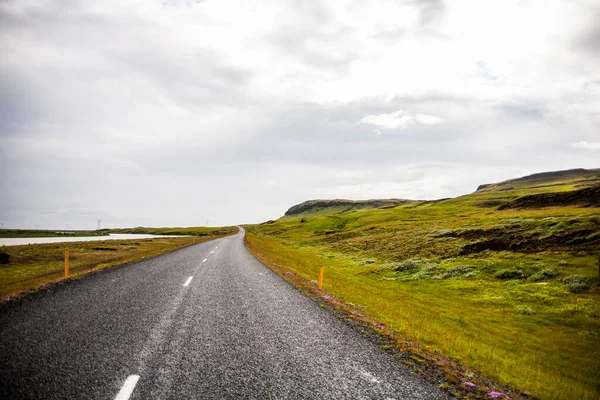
x: 495, y: 244
x: 589, y: 197
x: 531, y: 242
x: 4, y: 258
x: 316, y: 205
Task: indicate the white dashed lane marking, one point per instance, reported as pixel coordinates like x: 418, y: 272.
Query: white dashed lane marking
x: 127, y: 388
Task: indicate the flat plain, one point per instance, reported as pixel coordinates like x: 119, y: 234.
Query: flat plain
x: 35, y: 266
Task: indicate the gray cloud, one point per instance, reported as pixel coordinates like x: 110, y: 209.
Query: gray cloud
x: 522, y: 110
x: 589, y: 39
x: 431, y: 11
x: 311, y: 37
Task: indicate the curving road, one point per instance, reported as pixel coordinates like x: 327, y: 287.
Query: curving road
x: 205, y: 322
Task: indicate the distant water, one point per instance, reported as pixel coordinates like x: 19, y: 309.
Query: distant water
x: 112, y: 236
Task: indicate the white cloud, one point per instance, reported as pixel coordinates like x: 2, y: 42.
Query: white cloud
x: 428, y: 119
x: 594, y: 146
x: 399, y: 119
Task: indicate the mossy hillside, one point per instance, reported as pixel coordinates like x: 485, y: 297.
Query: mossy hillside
x: 511, y: 293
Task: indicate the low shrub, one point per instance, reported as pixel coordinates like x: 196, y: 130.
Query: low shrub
x: 410, y: 265
x: 543, y: 275
x: 511, y: 273
x: 455, y: 272
x: 578, y: 283
x: 429, y: 270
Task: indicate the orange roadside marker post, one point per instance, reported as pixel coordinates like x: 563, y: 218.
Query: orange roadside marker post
x: 320, y: 286
x: 66, y: 264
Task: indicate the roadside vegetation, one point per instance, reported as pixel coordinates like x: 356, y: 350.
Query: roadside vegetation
x: 504, y: 281
x: 35, y: 266
x: 190, y: 231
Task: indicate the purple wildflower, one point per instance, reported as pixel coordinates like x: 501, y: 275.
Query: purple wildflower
x: 327, y: 297
x: 470, y: 384
x: 379, y: 326
x: 498, y: 395
x: 289, y: 273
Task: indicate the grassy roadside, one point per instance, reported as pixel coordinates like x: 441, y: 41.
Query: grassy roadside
x: 509, y: 293
x: 348, y: 299
x: 36, y: 265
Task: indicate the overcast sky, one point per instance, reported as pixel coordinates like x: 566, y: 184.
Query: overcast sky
x: 171, y: 113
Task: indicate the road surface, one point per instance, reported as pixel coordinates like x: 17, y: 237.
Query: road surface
x: 205, y: 322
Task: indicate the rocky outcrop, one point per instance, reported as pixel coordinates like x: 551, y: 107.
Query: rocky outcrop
x: 589, y: 197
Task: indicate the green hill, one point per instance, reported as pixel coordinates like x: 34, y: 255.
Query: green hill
x: 549, y: 181
x: 341, y: 206
x: 488, y: 195
x: 502, y: 280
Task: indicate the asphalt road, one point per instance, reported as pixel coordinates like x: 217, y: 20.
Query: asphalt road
x: 232, y: 330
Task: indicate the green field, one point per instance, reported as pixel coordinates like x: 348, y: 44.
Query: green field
x: 35, y: 233
x: 33, y: 266
x: 503, y: 280
x: 190, y: 231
